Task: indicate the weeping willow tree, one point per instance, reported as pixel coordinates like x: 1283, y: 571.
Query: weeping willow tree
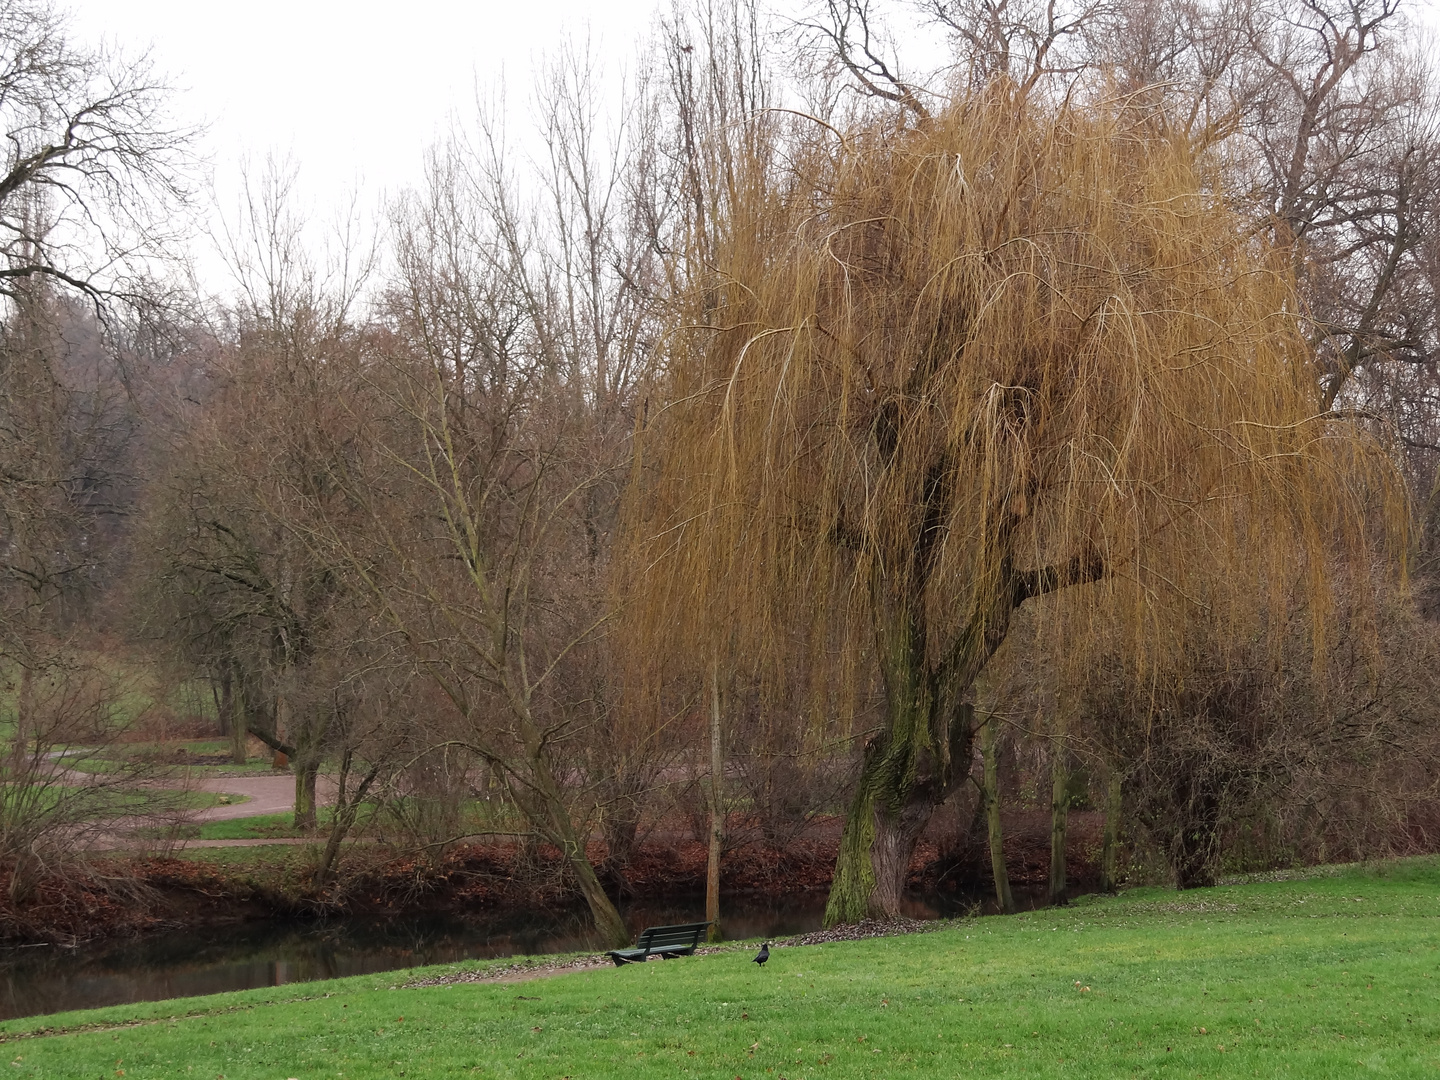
x: 942, y: 369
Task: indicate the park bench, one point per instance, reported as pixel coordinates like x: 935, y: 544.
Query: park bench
x: 662, y: 941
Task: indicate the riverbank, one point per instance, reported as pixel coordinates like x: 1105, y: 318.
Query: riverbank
x: 115, y: 893
x: 1317, y: 977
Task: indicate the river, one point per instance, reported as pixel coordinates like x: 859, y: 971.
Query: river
x: 35, y: 980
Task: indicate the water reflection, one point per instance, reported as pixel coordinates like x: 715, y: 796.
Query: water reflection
x: 245, y: 956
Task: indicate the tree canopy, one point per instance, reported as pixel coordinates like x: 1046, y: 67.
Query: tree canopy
x: 948, y: 366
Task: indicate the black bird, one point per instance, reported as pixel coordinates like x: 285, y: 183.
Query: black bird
x: 763, y: 954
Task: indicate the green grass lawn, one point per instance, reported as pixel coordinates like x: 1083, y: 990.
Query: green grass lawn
x: 265, y: 827
x: 259, y: 827
x: 160, y: 757
x: 275, y: 863
x: 113, y: 802
x: 1334, y: 976
x: 476, y: 815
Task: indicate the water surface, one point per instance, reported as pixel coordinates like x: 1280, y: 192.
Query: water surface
x: 244, y: 956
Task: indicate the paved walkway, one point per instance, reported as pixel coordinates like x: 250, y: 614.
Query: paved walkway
x: 265, y: 794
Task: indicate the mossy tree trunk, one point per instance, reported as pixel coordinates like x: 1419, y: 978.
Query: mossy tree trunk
x: 232, y: 709
x: 990, y: 793
x: 902, y: 782
x: 1059, y: 813
x: 1110, y: 839
x: 923, y: 750
x: 906, y: 773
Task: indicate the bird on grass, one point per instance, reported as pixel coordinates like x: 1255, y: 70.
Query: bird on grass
x: 762, y: 955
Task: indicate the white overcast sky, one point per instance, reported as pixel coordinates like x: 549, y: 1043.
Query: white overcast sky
x: 354, y: 92
x: 349, y: 88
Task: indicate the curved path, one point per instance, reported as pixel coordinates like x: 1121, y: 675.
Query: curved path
x: 264, y: 794
x: 272, y: 794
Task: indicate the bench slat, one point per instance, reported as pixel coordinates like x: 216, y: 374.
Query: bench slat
x: 664, y: 941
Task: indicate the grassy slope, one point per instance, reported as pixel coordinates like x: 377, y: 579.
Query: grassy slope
x: 1329, y: 977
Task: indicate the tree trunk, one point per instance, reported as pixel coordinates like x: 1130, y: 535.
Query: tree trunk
x: 717, y: 810
x: 910, y: 768
x: 347, y: 809
x: 911, y: 764
x: 1196, y: 843
x: 24, y: 724
x: 901, y: 785
x: 896, y: 834
x: 1110, y: 840
x: 989, y: 741
x: 1059, y: 822
x: 340, y: 821
x: 888, y: 812
x: 232, y: 709
x: 620, y: 827
x: 306, y: 772
x: 305, y: 761
x: 969, y: 844
x: 608, y: 923
x: 546, y: 809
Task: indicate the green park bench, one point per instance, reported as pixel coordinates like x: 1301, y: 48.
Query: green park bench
x: 662, y: 941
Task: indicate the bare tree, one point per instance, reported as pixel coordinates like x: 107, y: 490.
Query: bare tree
x: 90, y: 182
x: 853, y: 33
x: 1023, y: 42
